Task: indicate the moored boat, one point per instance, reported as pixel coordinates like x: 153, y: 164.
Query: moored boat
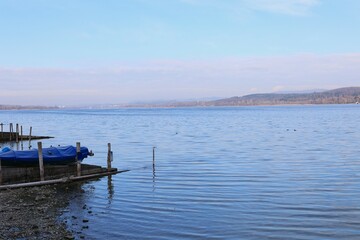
x: 51, y: 156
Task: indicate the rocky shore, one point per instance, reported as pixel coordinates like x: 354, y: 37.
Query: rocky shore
x: 33, y: 213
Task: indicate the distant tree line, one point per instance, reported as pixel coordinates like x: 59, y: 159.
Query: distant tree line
x: 337, y: 96
x: 19, y: 107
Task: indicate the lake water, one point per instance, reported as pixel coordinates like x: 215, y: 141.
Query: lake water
x: 221, y: 173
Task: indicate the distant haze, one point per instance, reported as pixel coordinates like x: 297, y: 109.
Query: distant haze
x: 64, y: 52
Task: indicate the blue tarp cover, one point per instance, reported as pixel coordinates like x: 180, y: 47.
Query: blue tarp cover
x: 52, y: 155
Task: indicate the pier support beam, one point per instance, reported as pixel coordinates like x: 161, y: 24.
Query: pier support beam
x: 30, y: 137
x: 21, y: 138
x: 2, y: 130
x: 11, y: 130
x: 109, y: 157
x: 17, y: 133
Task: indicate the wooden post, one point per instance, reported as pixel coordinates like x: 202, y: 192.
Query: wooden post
x: 30, y: 137
x: 21, y: 138
x: 109, y: 157
x: 154, y: 156
x: 10, y: 130
x: 2, y: 131
x: 154, y: 165
x: 154, y: 160
x: 41, y: 161
x: 17, y: 133
x: 78, y: 166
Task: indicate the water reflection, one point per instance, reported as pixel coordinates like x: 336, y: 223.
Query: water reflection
x: 154, y: 172
x: 110, y: 188
x: 154, y: 178
x: 17, y: 145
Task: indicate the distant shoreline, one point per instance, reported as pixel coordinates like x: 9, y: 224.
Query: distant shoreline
x: 349, y: 95
x: 172, y: 107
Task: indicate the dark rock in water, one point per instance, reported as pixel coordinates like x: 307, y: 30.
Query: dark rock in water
x: 69, y: 237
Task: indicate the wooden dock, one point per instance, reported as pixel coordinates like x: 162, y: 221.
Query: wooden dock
x: 12, y: 136
x: 18, y: 177
x: 17, y: 134
x: 28, y: 176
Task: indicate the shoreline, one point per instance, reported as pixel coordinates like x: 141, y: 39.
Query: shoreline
x: 181, y: 107
x: 35, y: 213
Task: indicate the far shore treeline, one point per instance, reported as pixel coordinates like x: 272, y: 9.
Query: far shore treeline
x: 348, y: 95
x: 337, y: 96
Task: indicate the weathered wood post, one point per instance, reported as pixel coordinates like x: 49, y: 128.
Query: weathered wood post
x: 30, y: 137
x: 154, y: 157
x: 78, y: 163
x: 17, y: 133
x: 109, y: 157
x: 10, y: 130
x: 41, y: 161
x: 21, y: 138
x: 2, y: 131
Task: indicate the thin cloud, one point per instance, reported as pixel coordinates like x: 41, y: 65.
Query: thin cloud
x: 166, y: 80
x: 287, y: 7
x: 290, y: 7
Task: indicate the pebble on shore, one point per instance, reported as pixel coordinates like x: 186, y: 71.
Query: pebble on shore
x: 33, y: 213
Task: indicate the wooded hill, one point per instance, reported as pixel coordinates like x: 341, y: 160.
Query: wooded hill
x: 336, y: 96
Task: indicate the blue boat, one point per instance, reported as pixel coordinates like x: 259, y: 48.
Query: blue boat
x: 51, y: 156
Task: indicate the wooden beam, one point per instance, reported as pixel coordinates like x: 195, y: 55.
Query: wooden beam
x: 78, y: 163
x: 61, y: 180
x: 41, y: 161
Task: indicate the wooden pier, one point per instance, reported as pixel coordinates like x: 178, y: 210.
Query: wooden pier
x: 17, y: 134
x: 11, y: 137
x: 17, y: 177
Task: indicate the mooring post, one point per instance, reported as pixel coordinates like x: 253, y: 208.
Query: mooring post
x: 2, y: 131
x: 77, y: 159
x: 41, y: 161
x: 109, y: 157
x: 30, y: 137
x: 17, y: 133
x: 10, y: 130
x: 21, y: 138
x: 154, y: 157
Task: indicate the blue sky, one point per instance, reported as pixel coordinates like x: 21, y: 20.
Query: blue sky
x: 119, y: 51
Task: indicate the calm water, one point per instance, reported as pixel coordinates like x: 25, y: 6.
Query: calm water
x: 221, y: 173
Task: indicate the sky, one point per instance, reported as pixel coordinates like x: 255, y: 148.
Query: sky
x: 71, y: 52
